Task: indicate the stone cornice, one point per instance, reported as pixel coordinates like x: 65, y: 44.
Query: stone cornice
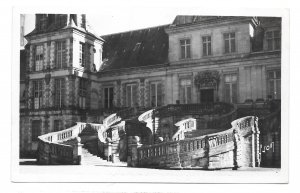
x: 173, y: 29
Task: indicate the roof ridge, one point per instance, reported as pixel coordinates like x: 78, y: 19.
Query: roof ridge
x: 165, y: 25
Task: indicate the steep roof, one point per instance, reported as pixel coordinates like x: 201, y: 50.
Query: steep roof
x: 136, y: 48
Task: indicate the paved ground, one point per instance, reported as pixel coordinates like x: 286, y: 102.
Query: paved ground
x: 27, y: 171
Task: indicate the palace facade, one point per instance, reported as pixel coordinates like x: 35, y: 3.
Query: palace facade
x: 70, y: 74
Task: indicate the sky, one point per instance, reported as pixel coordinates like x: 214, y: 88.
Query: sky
x: 109, y: 24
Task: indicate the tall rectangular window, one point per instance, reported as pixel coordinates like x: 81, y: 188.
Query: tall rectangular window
x: 185, y: 48
x: 274, y: 84
x: 206, y: 41
x: 59, y: 92
x: 229, y: 42
x: 185, y: 91
x: 131, y: 95
x: 273, y: 40
x: 156, y: 94
x: 82, y: 54
x: 108, y: 97
x: 36, y: 127
x: 230, y: 89
x: 60, y: 54
x: 38, y: 93
x: 82, y: 93
x: 39, y: 57
x: 57, y: 125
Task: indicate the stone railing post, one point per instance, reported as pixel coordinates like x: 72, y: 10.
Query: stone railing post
x: 246, y: 142
x: 206, y: 153
x: 132, y: 158
x: 108, y: 149
x: 77, y: 151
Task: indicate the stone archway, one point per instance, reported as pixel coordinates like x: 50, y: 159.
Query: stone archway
x: 207, y: 83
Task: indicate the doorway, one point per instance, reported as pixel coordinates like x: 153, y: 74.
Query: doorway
x: 207, y: 96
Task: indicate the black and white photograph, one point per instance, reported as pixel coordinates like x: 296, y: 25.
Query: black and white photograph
x: 179, y: 97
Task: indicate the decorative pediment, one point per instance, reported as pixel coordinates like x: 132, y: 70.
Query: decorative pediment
x: 207, y: 79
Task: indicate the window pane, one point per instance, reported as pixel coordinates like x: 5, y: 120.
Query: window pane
x: 277, y: 43
x: 226, y: 46
x: 182, y: 95
x: 188, y: 50
x: 134, y: 95
x: 189, y: 94
x: 232, y: 43
x: 227, y: 93
x: 270, y: 44
x: 153, y: 95
x: 271, y: 88
x: 106, y: 105
x: 227, y: 78
x: 270, y: 75
x: 159, y: 94
x: 111, y: 97
x: 209, y: 49
x: 128, y: 95
x: 233, y: 78
x: 278, y: 74
x: 204, y: 50
x: 182, y: 52
x: 234, y: 92
x: 278, y: 89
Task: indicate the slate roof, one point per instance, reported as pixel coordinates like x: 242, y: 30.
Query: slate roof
x: 52, y: 26
x: 136, y: 48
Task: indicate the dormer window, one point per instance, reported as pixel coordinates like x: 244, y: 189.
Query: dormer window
x: 273, y: 40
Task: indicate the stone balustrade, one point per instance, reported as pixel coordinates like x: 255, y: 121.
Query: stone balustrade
x: 197, y: 109
x: 62, y: 147
x: 232, y: 148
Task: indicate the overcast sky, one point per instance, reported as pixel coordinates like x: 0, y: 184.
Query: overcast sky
x: 108, y: 24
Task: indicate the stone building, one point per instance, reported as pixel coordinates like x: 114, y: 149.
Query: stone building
x: 74, y: 75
